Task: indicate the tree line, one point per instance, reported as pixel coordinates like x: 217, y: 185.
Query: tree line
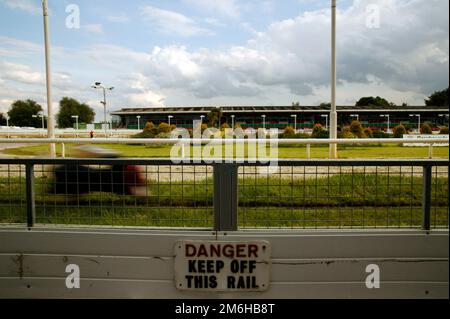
x: 22, y: 111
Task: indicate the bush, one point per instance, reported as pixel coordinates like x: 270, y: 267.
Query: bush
x: 380, y: 134
x: 289, y: 130
x: 149, y: 126
x: 224, y: 126
x: 319, y: 132
x: 204, y: 127
x: 347, y: 133
x: 163, y: 128
x: 357, y: 130
x: 399, y: 131
x: 444, y: 130
x: 173, y: 127
x: 426, y: 129
x: 368, y: 133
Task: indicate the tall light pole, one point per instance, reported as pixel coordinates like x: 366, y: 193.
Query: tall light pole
x: 41, y: 115
x: 388, y: 121
x: 170, y: 117
x: 98, y: 85
x: 139, y: 122
x: 7, y: 125
x: 202, y: 118
x: 326, y: 120
x: 295, y: 122
x: 76, y: 117
x: 50, y: 120
x: 333, y: 113
x: 232, y: 121
x: 355, y: 115
x: 264, y: 121
x: 418, y: 116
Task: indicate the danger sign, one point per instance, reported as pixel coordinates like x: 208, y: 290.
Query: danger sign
x: 222, y: 266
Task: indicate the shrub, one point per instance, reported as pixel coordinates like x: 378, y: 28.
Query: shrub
x: 204, y: 127
x: 444, y: 130
x: 289, y: 130
x: 319, y: 132
x: 368, y: 133
x: 347, y: 133
x: 164, y: 128
x: 224, y: 126
x: 149, y: 126
x: 357, y: 130
x: 426, y: 129
x: 173, y: 127
x: 399, y: 131
x: 380, y: 134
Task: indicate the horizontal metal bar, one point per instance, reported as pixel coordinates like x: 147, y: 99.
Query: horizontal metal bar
x: 222, y: 141
x: 239, y: 162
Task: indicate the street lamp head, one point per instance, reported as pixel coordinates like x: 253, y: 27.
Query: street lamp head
x: 111, y: 88
x: 98, y: 83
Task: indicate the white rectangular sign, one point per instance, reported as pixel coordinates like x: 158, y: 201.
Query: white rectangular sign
x: 423, y: 136
x: 222, y: 266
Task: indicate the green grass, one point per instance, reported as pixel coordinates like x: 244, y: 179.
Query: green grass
x: 285, y: 151
x: 344, y: 200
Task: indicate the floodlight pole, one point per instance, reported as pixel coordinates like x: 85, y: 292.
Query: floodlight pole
x: 333, y: 113
x: 50, y: 120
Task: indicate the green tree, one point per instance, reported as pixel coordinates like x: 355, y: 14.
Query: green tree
x: 295, y: 104
x: 373, y: 101
x: 69, y: 107
x: 214, y: 117
x: 2, y: 120
x: 21, y: 114
x: 438, y: 98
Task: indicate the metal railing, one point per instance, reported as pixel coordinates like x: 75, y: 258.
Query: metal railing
x: 330, y: 194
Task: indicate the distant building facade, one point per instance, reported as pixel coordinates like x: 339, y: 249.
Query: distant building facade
x: 303, y: 117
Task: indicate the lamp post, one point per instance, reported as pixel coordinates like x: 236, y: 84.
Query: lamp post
x: 170, y: 117
x: 355, y: 115
x: 295, y: 122
x: 388, y: 121
x: 48, y: 78
x: 98, y: 85
x: 264, y: 121
x: 333, y: 111
x: 7, y: 125
x: 76, y: 117
x: 202, y: 118
x: 326, y: 120
x: 41, y: 115
x: 418, y: 116
x: 232, y: 121
x: 139, y: 122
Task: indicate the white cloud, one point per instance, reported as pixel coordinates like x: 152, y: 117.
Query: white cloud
x: 19, y: 73
x: 174, y: 23
x: 93, y: 28
x: 223, y: 7
x: 24, y: 5
x: 118, y: 19
x: 214, y: 22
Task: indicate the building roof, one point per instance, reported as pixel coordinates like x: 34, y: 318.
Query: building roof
x: 277, y: 109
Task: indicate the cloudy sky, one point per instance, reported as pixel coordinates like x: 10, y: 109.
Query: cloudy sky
x: 224, y: 52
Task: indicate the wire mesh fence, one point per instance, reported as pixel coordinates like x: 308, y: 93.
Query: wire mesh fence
x: 157, y: 193
x: 339, y: 197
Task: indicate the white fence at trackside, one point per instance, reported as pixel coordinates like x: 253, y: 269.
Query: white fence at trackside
x: 140, y: 263
x: 195, y: 141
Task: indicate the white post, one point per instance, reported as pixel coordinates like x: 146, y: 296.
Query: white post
x: 308, y: 151
x: 63, y: 150
x: 7, y: 126
x: 50, y: 121
x: 333, y: 113
x: 419, y: 123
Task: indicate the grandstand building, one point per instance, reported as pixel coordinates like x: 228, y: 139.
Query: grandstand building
x: 302, y: 117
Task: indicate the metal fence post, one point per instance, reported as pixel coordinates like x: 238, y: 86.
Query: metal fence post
x: 225, y: 197
x: 426, y: 197
x: 31, y: 208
